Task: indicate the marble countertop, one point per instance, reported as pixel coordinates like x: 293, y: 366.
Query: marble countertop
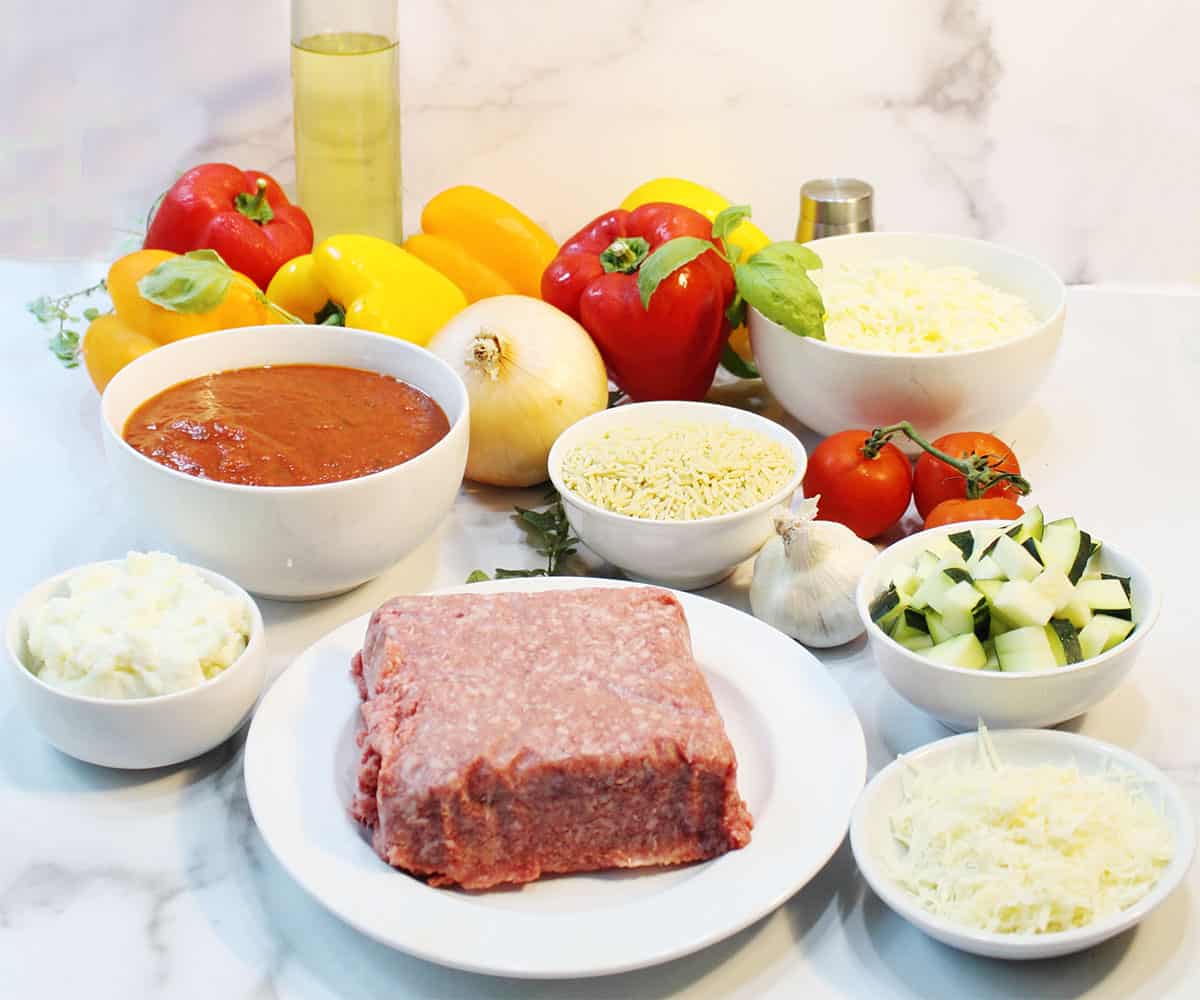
x: 158, y: 884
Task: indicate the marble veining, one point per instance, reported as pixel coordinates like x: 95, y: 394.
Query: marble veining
x: 1061, y: 129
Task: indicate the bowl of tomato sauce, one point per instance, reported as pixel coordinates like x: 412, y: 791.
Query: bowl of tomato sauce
x: 299, y: 461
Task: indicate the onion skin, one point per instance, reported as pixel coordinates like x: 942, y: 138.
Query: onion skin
x: 531, y: 371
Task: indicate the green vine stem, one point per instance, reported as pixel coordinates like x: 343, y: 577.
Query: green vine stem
x: 979, y: 471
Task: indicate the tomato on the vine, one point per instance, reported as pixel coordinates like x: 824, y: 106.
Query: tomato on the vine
x: 934, y: 481
x: 983, y: 509
x: 866, y: 494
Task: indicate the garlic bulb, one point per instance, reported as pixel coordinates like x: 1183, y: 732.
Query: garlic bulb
x: 805, y: 577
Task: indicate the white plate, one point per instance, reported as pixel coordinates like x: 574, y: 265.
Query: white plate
x: 873, y: 844
x: 801, y: 765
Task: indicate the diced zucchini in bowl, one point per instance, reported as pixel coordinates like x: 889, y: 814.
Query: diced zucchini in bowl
x: 1028, y: 597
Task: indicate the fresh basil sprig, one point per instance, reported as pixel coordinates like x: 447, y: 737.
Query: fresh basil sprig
x: 774, y: 280
x: 194, y: 282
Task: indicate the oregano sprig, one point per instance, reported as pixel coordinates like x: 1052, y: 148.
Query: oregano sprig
x: 54, y: 314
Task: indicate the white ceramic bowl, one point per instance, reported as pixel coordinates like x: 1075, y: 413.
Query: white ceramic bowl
x: 137, y: 732
x: 873, y: 845
x: 831, y: 389
x: 686, y: 555
x: 960, y: 697
x: 290, y: 542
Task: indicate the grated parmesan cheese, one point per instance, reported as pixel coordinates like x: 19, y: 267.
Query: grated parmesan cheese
x: 905, y: 308
x: 677, y: 471
x: 1026, y: 850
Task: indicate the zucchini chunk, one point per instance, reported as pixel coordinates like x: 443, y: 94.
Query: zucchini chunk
x: 961, y: 651
x: 1106, y: 597
x: 1025, y: 649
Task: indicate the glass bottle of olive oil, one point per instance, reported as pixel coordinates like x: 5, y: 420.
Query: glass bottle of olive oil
x: 347, y: 116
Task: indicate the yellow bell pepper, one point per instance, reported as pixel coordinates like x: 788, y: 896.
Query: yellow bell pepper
x: 483, y: 244
x: 378, y: 286
x: 137, y: 325
x: 747, y: 237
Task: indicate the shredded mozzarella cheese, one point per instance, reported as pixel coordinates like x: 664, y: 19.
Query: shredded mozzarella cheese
x: 906, y: 308
x: 1026, y: 850
x: 677, y: 470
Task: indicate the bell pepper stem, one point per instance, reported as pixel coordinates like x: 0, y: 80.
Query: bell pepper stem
x: 255, y: 207
x: 979, y: 471
x: 624, y: 255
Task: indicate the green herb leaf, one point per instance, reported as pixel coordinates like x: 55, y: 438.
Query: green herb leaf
x: 728, y: 220
x: 775, y: 281
x: 52, y: 312
x: 550, y: 533
x: 194, y: 282
x: 735, y: 364
x: 665, y: 261
x: 736, y: 313
x: 64, y: 345
x: 46, y: 309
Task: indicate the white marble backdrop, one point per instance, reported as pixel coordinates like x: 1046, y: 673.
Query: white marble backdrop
x: 1067, y: 129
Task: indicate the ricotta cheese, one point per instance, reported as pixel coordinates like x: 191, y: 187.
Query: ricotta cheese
x: 146, y: 626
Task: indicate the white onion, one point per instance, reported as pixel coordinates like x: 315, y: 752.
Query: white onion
x: 531, y: 371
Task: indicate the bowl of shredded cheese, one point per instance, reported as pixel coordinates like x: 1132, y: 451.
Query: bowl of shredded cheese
x: 1022, y: 844
x: 676, y: 493
x: 948, y: 332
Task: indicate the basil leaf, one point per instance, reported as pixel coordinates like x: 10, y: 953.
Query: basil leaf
x: 735, y: 364
x: 195, y: 282
x: 665, y: 261
x: 736, y: 313
x: 775, y: 281
x: 728, y: 220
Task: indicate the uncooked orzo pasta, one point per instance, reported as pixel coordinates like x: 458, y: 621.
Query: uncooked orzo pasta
x: 677, y: 470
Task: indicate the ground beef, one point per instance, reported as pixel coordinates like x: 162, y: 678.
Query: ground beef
x: 506, y: 736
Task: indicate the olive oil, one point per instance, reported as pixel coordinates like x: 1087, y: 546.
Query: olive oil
x: 347, y: 123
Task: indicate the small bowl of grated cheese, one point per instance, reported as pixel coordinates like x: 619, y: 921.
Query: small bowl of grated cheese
x: 137, y: 662
x: 947, y: 332
x: 1022, y: 844
x: 675, y: 493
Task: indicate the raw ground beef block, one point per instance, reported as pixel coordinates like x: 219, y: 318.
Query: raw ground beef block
x: 506, y: 736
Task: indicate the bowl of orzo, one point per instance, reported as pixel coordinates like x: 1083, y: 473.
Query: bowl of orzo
x: 675, y: 493
x: 945, y: 331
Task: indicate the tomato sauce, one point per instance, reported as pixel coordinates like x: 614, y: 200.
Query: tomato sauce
x: 286, y: 425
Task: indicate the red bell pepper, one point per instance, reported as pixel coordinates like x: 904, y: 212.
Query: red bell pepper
x: 669, y: 347
x: 241, y: 214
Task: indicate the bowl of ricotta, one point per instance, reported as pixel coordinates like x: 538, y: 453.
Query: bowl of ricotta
x: 138, y: 662
x: 944, y: 331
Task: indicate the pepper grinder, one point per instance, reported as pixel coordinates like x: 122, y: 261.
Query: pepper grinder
x: 832, y: 206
